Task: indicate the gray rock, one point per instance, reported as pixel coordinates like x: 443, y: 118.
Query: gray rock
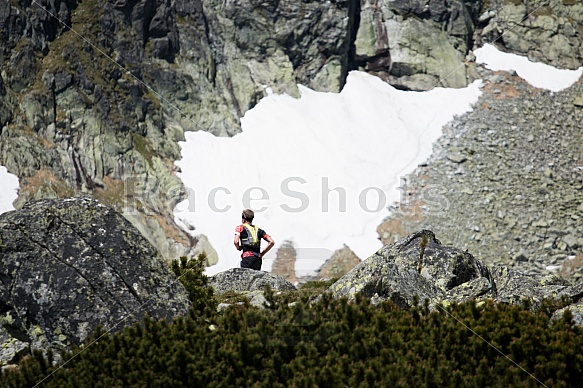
x: 457, y: 157
x: 12, y: 349
x: 69, y: 265
x: 576, y: 311
x: 521, y: 256
x: 544, y: 34
x: 516, y: 287
x: 473, y: 289
x: 245, y: 280
x: 571, y: 241
x: 416, y: 267
x: 419, y: 267
x: 257, y: 299
x: 416, y: 45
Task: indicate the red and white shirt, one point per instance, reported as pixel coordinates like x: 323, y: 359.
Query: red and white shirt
x: 261, y: 234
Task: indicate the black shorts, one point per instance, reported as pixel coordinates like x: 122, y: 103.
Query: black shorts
x: 253, y: 262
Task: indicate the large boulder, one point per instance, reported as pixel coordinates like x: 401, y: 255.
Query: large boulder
x: 416, y: 268
x: 247, y: 280
x: 419, y: 268
x: 67, y: 266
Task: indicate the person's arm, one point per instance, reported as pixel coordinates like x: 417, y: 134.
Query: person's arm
x: 236, y: 242
x: 270, y: 245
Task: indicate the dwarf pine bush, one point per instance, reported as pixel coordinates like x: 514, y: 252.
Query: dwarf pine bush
x: 191, y: 274
x: 328, y: 343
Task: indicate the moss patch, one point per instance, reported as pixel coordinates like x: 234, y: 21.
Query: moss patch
x: 144, y: 147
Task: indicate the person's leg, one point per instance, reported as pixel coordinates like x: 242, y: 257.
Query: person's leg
x: 247, y: 262
x: 256, y: 263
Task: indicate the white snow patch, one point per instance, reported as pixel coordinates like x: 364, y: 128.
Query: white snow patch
x: 537, y: 74
x: 553, y: 268
x: 9, y: 190
x: 320, y: 170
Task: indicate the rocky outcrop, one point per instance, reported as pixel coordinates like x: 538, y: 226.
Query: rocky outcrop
x: 419, y: 268
x: 341, y: 262
x: 246, y: 280
x: 421, y: 44
x: 417, y: 45
x: 83, y: 125
x: 544, y: 31
x: 103, y: 115
x: 514, y: 287
x: 416, y: 268
x: 67, y: 266
x: 231, y: 51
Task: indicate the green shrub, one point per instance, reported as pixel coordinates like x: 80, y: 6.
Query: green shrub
x: 331, y: 343
x: 191, y: 274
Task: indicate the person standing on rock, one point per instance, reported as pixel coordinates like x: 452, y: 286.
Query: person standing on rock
x: 248, y: 239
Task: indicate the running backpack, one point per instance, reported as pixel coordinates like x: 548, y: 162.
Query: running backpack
x: 252, y: 239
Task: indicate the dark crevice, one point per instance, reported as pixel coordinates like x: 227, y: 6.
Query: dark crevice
x: 231, y: 90
x: 353, y: 26
x: 17, y: 333
x: 213, y: 68
x: 96, y: 250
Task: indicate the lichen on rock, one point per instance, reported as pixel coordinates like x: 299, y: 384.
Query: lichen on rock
x: 247, y: 280
x: 419, y: 268
x: 70, y: 265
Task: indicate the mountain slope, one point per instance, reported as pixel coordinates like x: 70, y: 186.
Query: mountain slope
x: 100, y: 108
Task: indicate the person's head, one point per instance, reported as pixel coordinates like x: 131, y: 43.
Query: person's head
x: 248, y: 215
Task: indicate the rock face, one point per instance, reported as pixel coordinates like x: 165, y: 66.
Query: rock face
x: 103, y: 115
x: 341, y: 262
x: 67, y: 266
x: 419, y: 44
x: 418, y: 267
x: 246, y: 280
x: 545, y: 31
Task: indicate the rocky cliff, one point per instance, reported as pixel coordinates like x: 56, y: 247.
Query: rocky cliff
x: 96, y: 95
